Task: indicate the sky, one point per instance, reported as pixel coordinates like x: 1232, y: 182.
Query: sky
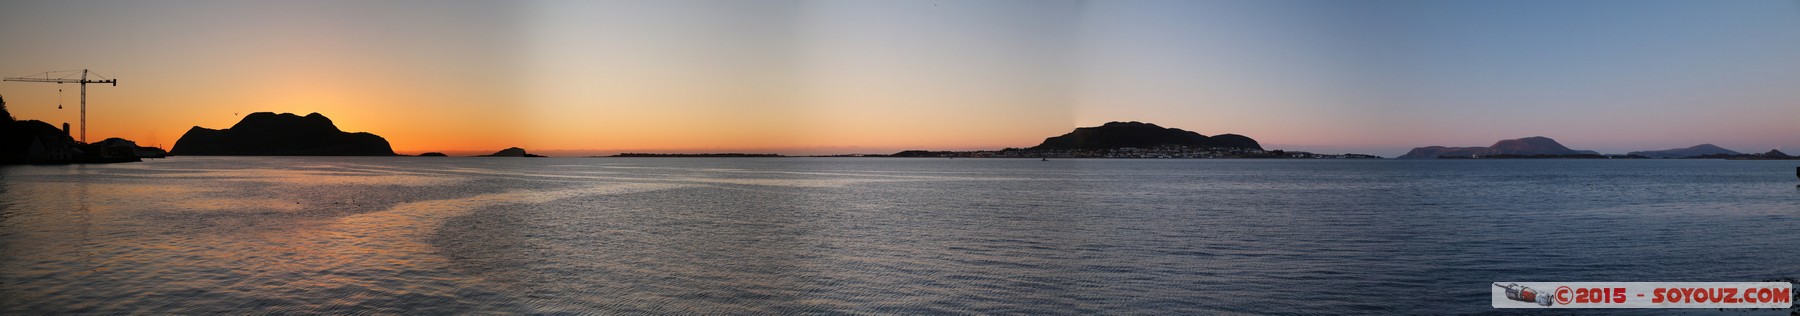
x: 838, y: 77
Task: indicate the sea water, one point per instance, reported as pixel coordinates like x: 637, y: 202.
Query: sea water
x: 201, y: 235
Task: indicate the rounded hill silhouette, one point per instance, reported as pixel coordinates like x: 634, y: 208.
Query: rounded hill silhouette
x: 285, y: 134
x: 1141, y: 135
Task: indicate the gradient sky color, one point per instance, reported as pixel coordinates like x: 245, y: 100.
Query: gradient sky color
x: 820, y: 77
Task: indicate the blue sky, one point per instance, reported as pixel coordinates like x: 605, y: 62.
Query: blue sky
x: 1613, y: 76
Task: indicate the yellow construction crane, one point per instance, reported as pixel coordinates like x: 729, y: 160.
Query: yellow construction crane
x: 68, y: 76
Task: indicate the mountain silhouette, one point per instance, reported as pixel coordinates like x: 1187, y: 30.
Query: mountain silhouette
x: 1529, y: 146
x: 285, y: 134
x: 1696, y: 150
x: 1140, y: 135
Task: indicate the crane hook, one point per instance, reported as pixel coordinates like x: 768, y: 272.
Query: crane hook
x: 59, y: 98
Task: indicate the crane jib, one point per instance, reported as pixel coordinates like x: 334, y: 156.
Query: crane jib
x: 83, y: 81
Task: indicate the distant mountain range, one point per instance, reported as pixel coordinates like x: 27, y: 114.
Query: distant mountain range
x: 1773, y: 154
x: 1529, y: 146
x: 1544, y: 147
x: 1141, y: 135
x: 285, y: 134
x: 1696, y: 150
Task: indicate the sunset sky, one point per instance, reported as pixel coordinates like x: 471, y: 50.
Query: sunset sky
x: 822, y: 77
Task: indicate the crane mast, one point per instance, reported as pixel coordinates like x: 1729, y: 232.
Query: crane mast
x: 83, y: 80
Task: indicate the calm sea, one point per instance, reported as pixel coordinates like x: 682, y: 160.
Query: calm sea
x: 202, y: 235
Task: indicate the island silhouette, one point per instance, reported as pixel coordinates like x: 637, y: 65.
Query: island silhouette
x: 1528, y: 147
x: 1544, y: 147
x: 1140, y: 135
x: 1772, y: 154
x: 285, y: 134
x: 511, y: 152
x: 1696, y: 150
x: 1133, y: 140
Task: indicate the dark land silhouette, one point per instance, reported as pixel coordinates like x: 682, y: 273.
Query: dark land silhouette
x: 1529, y: 147
x: 285, y: 134
x: 433, y: 154
x: 37, y: 142
x: 1696, y: 150
x: 1547, y: 156
x: 708, y: 155
x: 1132, y: 140
x: 1140, y: 135
x: 511, y: 152
x: 140, y: 151
x: 1773, y: 154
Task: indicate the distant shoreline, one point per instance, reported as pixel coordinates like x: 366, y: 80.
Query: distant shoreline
x: 705, y: 155
x: 996, y: 158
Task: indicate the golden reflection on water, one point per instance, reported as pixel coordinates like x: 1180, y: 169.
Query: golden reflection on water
x: 128, y: 228
x: 335, y: 233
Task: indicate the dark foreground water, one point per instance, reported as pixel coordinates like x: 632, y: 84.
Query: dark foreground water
x: 195, y: 235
